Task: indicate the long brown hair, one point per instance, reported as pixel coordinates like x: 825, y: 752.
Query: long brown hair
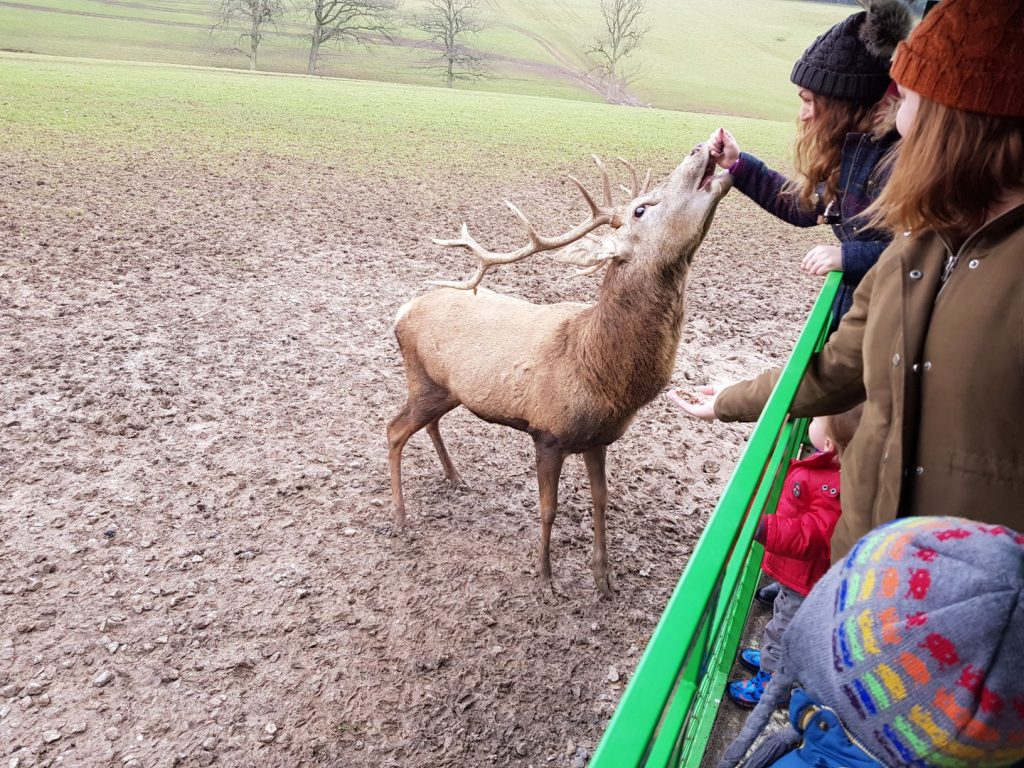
x: 819, y: 146
x: 950, y: 168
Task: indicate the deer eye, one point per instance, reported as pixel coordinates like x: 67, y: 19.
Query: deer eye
x: 640, y: 209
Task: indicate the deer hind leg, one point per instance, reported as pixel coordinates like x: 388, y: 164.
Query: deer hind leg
x: 594, y: 459
x: 549, y: 469
x: 442, y: 453
x: 417, y: 413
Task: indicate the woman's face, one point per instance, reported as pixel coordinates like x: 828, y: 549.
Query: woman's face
x: 907, y: 113
x: 806, y: 105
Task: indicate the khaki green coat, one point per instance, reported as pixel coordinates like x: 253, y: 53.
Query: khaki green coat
x: 940, y: 368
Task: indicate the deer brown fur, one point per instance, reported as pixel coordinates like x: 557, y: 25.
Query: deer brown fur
x: 571, y: 375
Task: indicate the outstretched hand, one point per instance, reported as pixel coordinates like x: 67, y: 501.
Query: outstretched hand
x: 724, y: 148
x: 697, y: 407
x: 822, y: 259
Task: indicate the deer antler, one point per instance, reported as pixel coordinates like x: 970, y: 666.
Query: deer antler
x: 599, y: 215
x: 638, y: 188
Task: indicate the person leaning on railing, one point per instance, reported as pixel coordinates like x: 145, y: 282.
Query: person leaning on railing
x: 934, y: 342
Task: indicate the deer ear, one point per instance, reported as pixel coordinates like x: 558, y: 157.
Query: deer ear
x: 591, y: 251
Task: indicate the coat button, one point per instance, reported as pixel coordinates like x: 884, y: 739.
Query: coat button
x: 973, y: 263
x: 927, y: 365
x: 918, y: 471
x: 915, y: 368
x: 896, y: 359
x: 915, y: 274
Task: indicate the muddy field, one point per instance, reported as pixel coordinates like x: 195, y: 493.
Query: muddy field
x: 197, y: 563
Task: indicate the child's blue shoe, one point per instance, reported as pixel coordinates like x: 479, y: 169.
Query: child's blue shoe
x: 750, y: 658
x: 746, y: 693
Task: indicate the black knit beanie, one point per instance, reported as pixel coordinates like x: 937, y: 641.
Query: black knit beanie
x: 851, y: 60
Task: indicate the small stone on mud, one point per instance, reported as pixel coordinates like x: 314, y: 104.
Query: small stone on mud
x: 33, y: 689
x: 103, y: 678
x: 613, y: 675
x: 521, y: 749
x: 349, y: 532
x: 111, y: 734
x: 9, y: 691
x: 51, y: 736
x: 78, y: 728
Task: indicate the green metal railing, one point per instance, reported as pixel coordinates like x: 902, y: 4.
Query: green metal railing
x: 669, y: 707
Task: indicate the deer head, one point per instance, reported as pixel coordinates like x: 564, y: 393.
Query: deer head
x: 664, y: 226
x: 658, y: 227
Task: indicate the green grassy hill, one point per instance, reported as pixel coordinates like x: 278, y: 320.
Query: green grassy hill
x: 78, y: 107
x: 722, y: 56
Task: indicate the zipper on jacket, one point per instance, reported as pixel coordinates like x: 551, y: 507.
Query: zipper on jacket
x: 813, y: 709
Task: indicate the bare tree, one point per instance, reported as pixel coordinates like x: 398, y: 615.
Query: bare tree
x: 448, y: 23
x: 252, y: 16
x: 624, y: 29
x: 360, y: 21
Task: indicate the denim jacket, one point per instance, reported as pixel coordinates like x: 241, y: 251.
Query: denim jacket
x: 859, y: 185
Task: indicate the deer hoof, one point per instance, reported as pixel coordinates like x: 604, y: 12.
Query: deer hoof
x: 604, y: 585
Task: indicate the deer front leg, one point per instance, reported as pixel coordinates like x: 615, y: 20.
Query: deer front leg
x: 549, y: 469
x: 594, y: 459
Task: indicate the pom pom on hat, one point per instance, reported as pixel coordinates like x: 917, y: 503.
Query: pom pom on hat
x: 851, y: 60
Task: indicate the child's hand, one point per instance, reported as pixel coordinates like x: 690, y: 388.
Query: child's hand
x: 724, y: 148
x: 822, y: 259
x: 703, y: 409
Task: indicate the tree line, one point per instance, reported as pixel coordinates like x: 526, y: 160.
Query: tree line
x: 448, y: 24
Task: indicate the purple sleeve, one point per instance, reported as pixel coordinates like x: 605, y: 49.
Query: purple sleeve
x: 764, y: 186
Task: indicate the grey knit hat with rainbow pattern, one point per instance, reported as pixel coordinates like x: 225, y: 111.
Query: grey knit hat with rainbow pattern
x: 916, y: 641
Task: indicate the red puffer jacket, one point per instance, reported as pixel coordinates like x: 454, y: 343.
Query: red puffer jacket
x: 797, y: 537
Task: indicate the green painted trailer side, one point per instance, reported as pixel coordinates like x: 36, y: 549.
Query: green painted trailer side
x: 667, y: 711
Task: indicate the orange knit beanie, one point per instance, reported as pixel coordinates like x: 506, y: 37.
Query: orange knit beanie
x: 969, y: 55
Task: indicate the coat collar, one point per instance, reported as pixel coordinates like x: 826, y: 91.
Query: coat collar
x: 819, y: 460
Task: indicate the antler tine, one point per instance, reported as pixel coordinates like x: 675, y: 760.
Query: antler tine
x: 536, y: 239
x: 647, y: 182
x: 592, y: 270
x: 594, y: 208
x: 606, y: 185
x: 632, y: 174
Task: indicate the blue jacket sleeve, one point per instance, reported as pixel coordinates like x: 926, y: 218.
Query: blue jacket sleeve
x: 861, y: 255
x: 764, y: 186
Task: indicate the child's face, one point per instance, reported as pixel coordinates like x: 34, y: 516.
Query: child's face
x: 907, y: 113
x: 816, y: 433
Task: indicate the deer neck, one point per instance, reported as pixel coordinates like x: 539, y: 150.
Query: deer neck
x: 625, y: 345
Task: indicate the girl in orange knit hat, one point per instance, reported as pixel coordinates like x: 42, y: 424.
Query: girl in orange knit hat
x: 934, y: 343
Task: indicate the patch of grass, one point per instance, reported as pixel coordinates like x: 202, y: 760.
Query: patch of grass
x: 64, y: 107
x: 723, y: 56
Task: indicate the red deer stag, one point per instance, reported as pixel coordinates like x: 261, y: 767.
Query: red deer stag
x: 571, y: 375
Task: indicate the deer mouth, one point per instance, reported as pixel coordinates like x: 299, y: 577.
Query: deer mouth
x: 709, y: 174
